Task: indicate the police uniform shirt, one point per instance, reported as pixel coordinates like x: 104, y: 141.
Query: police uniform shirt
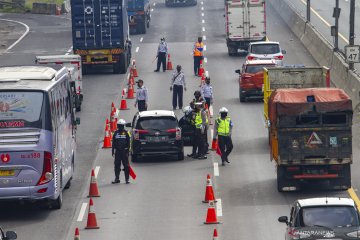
x: 206, y: 91
x: 142, y: 94
x: 163, y: 47
x: 121, y: 140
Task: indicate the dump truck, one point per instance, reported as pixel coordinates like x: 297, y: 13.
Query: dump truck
x: 245, y: 22
x: 73, y: 64
x: 100, y: 34
x: 310, y: 129
x: 139, y: 15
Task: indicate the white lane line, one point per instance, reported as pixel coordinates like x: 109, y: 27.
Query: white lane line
x: 203, y: 29
x: 204, y: 47
x: 137, y: 49
x: 216, y: 169
x: 154, y: 4
x: 202, y: 14
x: 219, y: 207
x: 203, y: 21
x: 97, y: 169
x: 69, y: 51
x: 202, y: 8
x: 141, y: 39
x: 202, y: 3
x: 22, y: 36
x: 152, y: 9
x: 82, y: 212
x: 204, y: 37
x: 205, y: 60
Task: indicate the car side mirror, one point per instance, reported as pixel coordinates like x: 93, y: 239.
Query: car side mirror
x: 283, y: 51
x: 283, y: 219
x: 77, y: 121
x: 128, y: 125
x: 238, y: 71
x: 11, y: 235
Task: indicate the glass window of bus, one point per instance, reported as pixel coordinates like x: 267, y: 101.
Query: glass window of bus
x: 21, y: 109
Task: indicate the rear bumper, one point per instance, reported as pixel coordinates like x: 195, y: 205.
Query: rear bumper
x: 172, y: 148
x: 252, y: 92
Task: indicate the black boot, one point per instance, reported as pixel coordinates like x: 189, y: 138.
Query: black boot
x: 115, y: 181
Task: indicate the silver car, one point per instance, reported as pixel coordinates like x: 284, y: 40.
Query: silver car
x: 266, y: 50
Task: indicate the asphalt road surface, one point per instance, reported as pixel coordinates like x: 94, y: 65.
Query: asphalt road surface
x: 165, y: 201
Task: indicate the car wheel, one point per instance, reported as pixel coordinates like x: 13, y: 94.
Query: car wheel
x: 180, y: 156
x: 134, y: 158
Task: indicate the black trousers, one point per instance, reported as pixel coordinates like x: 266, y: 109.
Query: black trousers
x: 198, y: 143
x: 121, y: 157
x: 207, y: 101
x: 197, y: 64
x: 141, y: 105
x: 226, y: 146
x: 161, y: 60
x: 178, y: 96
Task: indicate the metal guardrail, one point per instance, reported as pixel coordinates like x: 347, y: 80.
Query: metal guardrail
x: 13, y: 4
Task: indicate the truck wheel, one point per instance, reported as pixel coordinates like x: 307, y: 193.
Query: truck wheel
x: 345, y: 182
x: 116, y: 67
x: 180, y: 156
x: 241, y: 96
x: 123, y: 63
x: 280, y: 176
x: 232, y: 51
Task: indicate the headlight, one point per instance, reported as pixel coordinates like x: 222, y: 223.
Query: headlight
x: 355, y: 234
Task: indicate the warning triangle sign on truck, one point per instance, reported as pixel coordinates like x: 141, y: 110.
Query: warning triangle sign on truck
x: 314, y: 139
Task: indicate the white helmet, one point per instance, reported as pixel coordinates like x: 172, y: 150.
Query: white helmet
x: 121, y: 122
x: 187, y: 109
x: 223, y: 110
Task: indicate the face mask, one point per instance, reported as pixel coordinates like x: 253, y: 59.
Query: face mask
x: 139, y: 85
x: 223, y: 115
x: 207, y: 82
x: 162, y: 41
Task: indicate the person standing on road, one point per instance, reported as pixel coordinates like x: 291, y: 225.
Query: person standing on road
x: 200, y: 122
x: 161, y: 55
x: 141, y: 96
x: 207, y: 92
x: 222, y: 129
x: 198, y: 54
x: 178, y: 85
x: 198, y: 99
x: 120, y: 148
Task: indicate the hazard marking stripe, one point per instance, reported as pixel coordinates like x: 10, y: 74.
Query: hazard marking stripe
x: 82, y: 212
x: 219, y: 212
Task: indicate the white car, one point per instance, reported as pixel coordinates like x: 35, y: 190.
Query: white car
x: 266, y: 50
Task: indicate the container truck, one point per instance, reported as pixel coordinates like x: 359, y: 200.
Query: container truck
x: 100, y: 33
x: 139, y: 15
x: 245, y: 22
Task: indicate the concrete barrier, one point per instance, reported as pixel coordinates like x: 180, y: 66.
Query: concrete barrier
x: 321, y: 49
x: 44, y: 8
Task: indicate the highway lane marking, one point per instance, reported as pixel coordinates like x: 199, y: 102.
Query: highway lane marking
x: 141, y: 39
x: 354, y: 197
x: 21, y: 37
x: 69, y: 51
x: 218, y: 207
x: 202, y: 14
x: 137, y: 49
x: 203, y: 21
x: 204, y: 47
x: 202, y: 8
x: 97, y: 169
x: 204, y: 37
x: 152, y: 9
x: 154, y: 4
x: 202, y: 3
x: 205, y: 60
x: 216, y: 169
x: 82, y: 212
x: 203, y: 29
x: 324, y: 21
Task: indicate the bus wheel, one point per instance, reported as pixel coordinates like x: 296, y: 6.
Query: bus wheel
x: 57, y: 203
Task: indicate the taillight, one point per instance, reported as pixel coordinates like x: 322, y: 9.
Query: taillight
x: 250, y: 57
x: 280, y: 57
x: 137, y: 133
x: 177, y: 131
x: 293, y: 168
x: 47, y: 173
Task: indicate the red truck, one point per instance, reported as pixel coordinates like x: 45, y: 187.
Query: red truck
x: 251, y: 78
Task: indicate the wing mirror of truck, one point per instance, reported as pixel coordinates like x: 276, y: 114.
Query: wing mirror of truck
x: 11, y: 235
x: 238, y: 71
x: 283, y: 219
x: 283, y: 51
x: 128, y: 125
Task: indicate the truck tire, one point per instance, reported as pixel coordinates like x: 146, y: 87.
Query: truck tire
x: 345, y: 182
x: 116, y: 67
x: 84, y: 69
x: 280, y: 176
x: 232, y: 51
x: 143, y: 28
x: 124, y: 63
x: 241, y: 96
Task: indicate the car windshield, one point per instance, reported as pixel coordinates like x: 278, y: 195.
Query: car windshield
x: 256, y: 68
x: 330, y: 216
x: 265, y: 48
x: 20, y: 109
x: 157, y: 123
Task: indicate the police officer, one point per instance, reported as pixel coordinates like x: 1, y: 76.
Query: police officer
x: 198, y: 99
x: 161, y: 55
x: 200, y: 122
x: 141, y: 96
x: 198, y: 54
x: 120, y: 147
x: 223, y: 127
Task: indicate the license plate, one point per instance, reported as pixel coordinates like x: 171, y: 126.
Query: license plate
x: 7, y: 173
x: 157, y: 139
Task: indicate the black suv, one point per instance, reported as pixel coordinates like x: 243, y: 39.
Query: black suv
x: 156, y: 133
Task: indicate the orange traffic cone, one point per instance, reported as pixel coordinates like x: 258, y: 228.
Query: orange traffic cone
x: 133, y: 69
x: 107, y: 138
x: 112, y: 122
x: 209, y: 191
x: 214, y: 144
x: 113, y: 107
x: 130, y: 93
x: 123, y: 103
x: 211, y: 214
x: 77, y: 234
x: 107, y: 124
x: 91, y: 221
x: 131, y: 79
x: 215, y: 235
x: 169, y: 64
x: 93, y: 190
x: 201, y: 69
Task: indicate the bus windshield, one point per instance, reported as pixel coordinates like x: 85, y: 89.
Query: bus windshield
x: 20, y: 109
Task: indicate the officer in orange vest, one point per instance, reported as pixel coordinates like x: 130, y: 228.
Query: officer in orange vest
x: 198, y: 54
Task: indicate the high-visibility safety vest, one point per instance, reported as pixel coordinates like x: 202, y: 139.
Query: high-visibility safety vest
x: 223, y: 126
x: 198, y: 120
x: 198, y: 52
